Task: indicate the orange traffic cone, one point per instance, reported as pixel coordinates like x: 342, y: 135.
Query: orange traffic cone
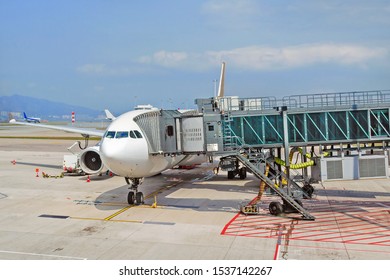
x: 88, y: 179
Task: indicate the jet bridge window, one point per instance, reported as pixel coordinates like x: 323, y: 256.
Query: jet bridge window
x: 135, y: 134
x: 110, y: 134
x: 122, y: 134
x: 169, y: 130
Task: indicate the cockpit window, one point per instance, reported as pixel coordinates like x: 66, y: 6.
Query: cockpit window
x: 138, y: 134
x: 122, y: 134
x: 135, y: 134
x: 110, y: 134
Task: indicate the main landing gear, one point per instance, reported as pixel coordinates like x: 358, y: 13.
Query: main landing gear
x: 232, y: 166
x: 241, y: 172
x: 134, y: 196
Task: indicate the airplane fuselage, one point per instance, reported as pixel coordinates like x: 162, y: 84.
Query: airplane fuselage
x: 33, y: 120
x: 124, y: 150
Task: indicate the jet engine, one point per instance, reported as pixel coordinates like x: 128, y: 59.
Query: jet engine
x: 90, y: 161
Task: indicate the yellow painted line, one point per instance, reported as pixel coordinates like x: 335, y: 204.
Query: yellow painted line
x: 118, y: 213
x: 99, y: 219
x: 146, y: 197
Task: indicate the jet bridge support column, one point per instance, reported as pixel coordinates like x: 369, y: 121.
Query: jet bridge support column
x: 286, y: 147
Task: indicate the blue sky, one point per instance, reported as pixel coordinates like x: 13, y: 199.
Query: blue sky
x: 114, y: 54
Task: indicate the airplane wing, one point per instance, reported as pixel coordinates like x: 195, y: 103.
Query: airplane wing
x: 83, y: 131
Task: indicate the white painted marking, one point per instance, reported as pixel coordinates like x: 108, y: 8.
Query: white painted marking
x: 41, y: 255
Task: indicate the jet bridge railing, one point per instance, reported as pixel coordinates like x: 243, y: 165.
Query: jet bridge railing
x: 321, y: 101
x: 246, y: 104
x: 335, y: 100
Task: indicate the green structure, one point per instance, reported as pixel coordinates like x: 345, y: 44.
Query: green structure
x: 351, y: 117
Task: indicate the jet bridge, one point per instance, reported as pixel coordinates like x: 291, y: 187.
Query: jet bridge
x: 336, y: 136
x: 301, y: 120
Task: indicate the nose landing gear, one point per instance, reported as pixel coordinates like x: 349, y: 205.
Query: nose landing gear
x: 134, y: 196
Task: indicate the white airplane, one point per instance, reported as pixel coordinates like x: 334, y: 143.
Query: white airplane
x: 124, y: 150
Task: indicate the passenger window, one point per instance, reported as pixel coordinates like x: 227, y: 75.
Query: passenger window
x: 122, y: 134
x: 110, y: 134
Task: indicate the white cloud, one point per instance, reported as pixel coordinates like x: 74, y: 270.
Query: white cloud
x: 268, y: 58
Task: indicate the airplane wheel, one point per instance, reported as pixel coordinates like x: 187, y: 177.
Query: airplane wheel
x: 130, y: 198
x: 242, y: 173
x: 139, y: 197
x: 275, y: 208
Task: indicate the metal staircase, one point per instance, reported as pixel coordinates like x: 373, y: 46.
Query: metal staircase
x: 288, y: 200
x: 230, y: 140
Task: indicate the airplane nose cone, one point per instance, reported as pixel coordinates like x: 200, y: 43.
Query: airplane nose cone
x: 123, y: 157
x: 112, y: 155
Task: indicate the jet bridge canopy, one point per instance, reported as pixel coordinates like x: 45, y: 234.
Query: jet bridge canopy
x: 172, y: 132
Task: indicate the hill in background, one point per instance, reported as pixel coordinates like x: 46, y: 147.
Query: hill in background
x: 45, y: 109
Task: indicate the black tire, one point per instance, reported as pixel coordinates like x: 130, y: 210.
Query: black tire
x: 243, y: 173
x: 130, y: 198
x: 139, y: 197
x: 275, y: 208
x: 231, y: 175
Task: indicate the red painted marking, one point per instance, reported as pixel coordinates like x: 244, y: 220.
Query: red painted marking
x: 276, y: 254
x: 228, y: 224
x: 348, y: 222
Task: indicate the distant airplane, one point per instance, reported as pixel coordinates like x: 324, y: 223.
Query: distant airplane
x: 31, y: 119
x: 123, y: 149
